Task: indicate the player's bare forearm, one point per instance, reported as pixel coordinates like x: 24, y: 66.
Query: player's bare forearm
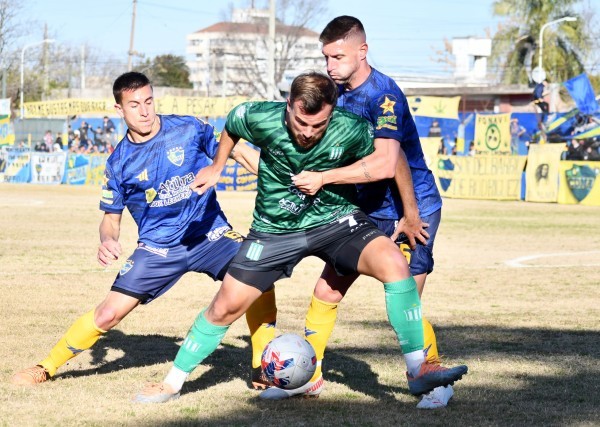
x: 209, y: 176
x: 109, y: 249
x: 246, y: 156
x: 380, y: 164
x: 413, y: 226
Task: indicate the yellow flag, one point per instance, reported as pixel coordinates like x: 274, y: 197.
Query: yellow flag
x: 492, y: 134
x: 434, y: 106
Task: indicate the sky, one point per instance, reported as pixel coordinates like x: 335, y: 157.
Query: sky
x: 402, y: 35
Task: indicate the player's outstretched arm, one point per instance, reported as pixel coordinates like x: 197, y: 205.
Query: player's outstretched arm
x: 380, y: 164
x: 209, y: 176
x: 109, y: 249
x: 246, y: 156
x: 413, y: 226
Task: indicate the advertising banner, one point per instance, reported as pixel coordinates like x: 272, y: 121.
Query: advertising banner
x: 489, y: 177
x: 541, y: 175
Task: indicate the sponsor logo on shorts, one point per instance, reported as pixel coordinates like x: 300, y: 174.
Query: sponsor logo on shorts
x: 126, y: 267
x: 234, y: 235
x: 158, y: 251
x: 254, y: 251
x: 369, y: 234
x: 308, y: 332
x: 176, y: 156
x: 216, y: 233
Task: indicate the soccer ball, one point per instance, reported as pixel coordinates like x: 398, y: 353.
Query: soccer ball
x: 289, y: 361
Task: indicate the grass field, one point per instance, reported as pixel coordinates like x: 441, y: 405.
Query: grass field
x: 515, y: 295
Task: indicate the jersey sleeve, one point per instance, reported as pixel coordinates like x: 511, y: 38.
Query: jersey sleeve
x: 365, y: 139
x: 387, y: 112
x: 112, y: 199
x: 238, y: 123
x: 208, y: 138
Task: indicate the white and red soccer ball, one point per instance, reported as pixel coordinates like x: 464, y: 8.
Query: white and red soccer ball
x: 289, y: 361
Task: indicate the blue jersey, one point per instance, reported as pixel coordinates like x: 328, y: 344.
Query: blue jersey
x: 380, y: 100
x: 152, y: 180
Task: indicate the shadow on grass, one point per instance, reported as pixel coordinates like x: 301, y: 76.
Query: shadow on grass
x: 548, y: 399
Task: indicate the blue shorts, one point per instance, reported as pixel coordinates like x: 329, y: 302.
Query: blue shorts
x: 421, y: 259
x: 151, y: 271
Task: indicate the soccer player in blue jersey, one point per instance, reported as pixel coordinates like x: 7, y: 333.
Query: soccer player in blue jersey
x: 376, y: 97
x: 150, y: 173
x: 306, y: 133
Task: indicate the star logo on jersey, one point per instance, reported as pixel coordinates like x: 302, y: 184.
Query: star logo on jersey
x: 143, y: 176
x: 176, y: 156
x: 387, y: 106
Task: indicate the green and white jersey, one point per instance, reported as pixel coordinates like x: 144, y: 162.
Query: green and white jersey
x: 280, y: 207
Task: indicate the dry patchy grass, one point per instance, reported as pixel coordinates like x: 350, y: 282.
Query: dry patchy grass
x: 529, y: 334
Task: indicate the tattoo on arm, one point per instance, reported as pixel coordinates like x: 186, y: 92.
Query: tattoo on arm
x: 365, y: 171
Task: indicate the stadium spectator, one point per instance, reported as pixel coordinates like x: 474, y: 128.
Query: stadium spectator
x: 330, y: 226
x: 434, y: 130
x: 180, y: 233
x: 539, y: 92
x: 516, y: 132
x: 109, y: 131
x: 58, y: 142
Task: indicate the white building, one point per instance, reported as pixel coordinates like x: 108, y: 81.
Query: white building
x: 230, y: 58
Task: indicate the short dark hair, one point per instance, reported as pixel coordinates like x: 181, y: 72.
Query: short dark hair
x: 313, y: 89
x: 341, y: 28
x: 128, y: 82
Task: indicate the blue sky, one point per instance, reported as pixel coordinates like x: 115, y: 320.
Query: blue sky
x: 402, y: 35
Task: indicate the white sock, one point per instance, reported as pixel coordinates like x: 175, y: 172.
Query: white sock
x: 175, y: 378
x: 414, y: 360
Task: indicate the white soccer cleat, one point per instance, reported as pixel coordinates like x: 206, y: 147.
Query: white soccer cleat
x: 437, y: 398
x: 310, y: 389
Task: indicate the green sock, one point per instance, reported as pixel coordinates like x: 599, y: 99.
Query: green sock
x: 202, y: 339
x: 404, y: 313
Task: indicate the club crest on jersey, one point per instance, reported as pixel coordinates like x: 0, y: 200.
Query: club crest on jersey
x: 176, y: 156
x: 335, y: 153
x: 126, y: 267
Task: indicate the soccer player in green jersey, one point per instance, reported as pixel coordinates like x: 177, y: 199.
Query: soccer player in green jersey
x: 306, y: 133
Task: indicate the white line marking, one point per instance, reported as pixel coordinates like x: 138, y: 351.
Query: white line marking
x: 520, y: 262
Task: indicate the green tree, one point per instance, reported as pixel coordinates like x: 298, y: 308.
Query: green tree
x: 515, y: 47
x: 167, y: 70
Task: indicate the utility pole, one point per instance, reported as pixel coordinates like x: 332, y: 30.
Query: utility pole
x: 131, y: 51
x: 271, y: 54
x: 45, y: 62
x: 82, y: 65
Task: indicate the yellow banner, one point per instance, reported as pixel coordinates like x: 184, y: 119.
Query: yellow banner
x: 183, y: 105
x: 579, y: 183
x: 430, y: 148
x: 541, y: 175
x: 7, y: 135
x: 198, y: 107
x: 434, y: 106
x: 489, y: 177
x: 492, y: 134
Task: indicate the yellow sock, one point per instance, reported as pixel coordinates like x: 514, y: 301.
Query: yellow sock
x: 261, y: 318
x: 320, y: 320
x: 431, y: 350
x: 81, y: 335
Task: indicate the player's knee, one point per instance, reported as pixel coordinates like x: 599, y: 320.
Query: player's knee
x: 106, y: 317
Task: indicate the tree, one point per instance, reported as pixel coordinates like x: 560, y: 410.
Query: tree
x: 515, y: 46
x: 167, y: 70
x: 243, y: 65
